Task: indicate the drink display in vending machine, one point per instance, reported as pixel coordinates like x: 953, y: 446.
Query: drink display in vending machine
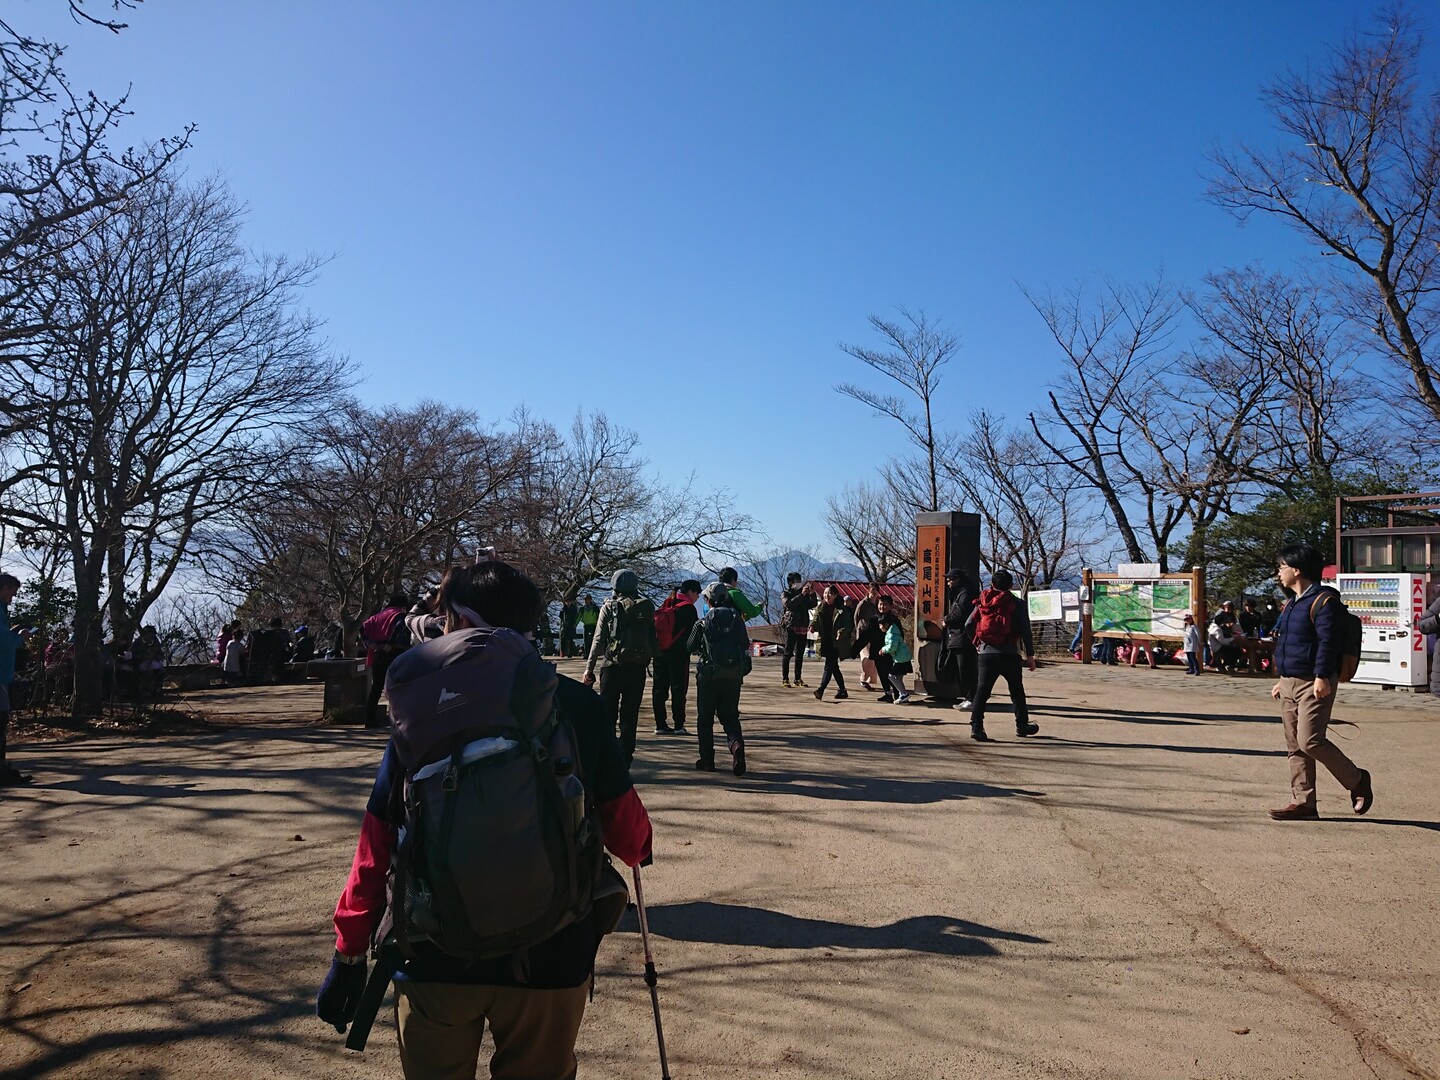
x: 1389, y: 606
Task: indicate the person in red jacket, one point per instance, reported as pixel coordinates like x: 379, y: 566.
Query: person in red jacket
x: 443, y: 1003
x: 672, y: 657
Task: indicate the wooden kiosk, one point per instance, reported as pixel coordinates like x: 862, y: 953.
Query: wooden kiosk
x: 1133, y: 604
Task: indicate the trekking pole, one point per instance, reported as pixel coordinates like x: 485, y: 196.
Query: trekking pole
x: 651, y: 979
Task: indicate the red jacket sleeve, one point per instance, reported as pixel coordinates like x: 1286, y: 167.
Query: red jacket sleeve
x: 362, y: 904
x: 625, y: 828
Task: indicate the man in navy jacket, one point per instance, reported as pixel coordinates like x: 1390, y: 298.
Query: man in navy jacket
x: 1307, y: 659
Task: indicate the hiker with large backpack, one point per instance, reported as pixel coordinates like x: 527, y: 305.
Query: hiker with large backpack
x: 625, y: 639
x: 499, y: 785
x: 1001, y: 623
x: 720, y: 642
x: 385, y: 636
x: 1313, y: 654
x: 673, y: 623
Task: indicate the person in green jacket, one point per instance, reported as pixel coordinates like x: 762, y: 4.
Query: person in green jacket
x: 899, y: 654
x: 741, y: 603
x: 589, y: 617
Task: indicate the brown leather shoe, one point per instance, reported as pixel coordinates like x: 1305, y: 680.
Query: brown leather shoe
x: 1362, y: 797
x: 1295, y: 812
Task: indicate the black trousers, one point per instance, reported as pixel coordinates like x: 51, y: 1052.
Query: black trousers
x: 832, y: 671
x: 622, y: 688
x: 794, y: 646
x: 717, y: 697
x: 962, y: 667
x: 672, y: 684
x: 995, y: 666
x: 567, y: 636
x: 883, y: 664
x: 378, y: 666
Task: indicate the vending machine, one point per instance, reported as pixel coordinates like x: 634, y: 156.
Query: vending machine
x: 1389, y: 606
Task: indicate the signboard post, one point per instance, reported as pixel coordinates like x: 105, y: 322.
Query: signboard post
x: 943, y: 541
x: 1151, y: 607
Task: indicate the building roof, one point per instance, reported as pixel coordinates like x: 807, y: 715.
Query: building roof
x: 901, y: 594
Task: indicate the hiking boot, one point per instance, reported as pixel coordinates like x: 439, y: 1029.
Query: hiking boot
x: 785, y: 683
x: 978, y: 733
x: 819, y: 695
x: 1295, y: 812
x: 841, y: 696
x: 1362, y: 797
x: 1024, y: 730
x: 737, y: 751
x: 664, y: 729
x: 802, y: 682
x: 705, y: 764
x: 887, y: 698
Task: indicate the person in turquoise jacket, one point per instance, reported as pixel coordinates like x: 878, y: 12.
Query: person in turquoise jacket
x: 9, y: 642
x: 899, y: 654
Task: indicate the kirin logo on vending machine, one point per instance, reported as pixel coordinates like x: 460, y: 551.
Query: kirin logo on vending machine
x: 1417, y: 607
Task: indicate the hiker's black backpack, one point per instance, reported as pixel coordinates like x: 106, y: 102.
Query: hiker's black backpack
x: 497, y: 850
x: 1352, y: 632
x: 632, y: 633
x: 725, y: 648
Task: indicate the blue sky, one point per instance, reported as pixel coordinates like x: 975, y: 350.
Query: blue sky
x: 674, y: 213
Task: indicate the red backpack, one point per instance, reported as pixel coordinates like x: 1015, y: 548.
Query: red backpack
x: 665, y: 630
x: 995, y: 618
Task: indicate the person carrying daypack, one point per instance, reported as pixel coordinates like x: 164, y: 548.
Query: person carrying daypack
x: 720, y: 642
x: 1001, y: 624
x: 625, y: 638
x: 1309, y: 654
x: 673, y: 623
x: 499, y: 784
x: 797, y: 601
x: 384, y: 636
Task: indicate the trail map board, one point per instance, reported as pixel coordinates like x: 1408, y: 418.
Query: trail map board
x: 1157, y: 608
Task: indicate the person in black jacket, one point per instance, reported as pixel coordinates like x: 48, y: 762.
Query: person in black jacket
x: 960, y: 655
x: 672, y: 663
x: 797, y: 601
x: 1307, y: 659
x: 835, y: 624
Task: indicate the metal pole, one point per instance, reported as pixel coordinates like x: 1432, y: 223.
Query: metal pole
x: 651, y: 979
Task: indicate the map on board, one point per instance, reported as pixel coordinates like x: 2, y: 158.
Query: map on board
x: 1140, y: 607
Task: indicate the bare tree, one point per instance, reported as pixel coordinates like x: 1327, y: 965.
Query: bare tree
x: 913, y: 355
x: 169, y: 364
x: 1037, y: 520
x: 1361, y: 177
x: 1117, y: 349
x: 586, y: 506
x: 872, y: 526
x: 388, y: 498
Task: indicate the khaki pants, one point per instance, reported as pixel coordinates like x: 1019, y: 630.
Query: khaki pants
x: 1306, y: 718
x: 441, y: 1025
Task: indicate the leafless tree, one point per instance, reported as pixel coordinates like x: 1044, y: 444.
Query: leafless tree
x: 1038, y: 521
x: 169, y: 364
x: 57, y: 167
x: 873, y: 526
x: 913, y: 354
x: 586, y: 506
x: 1360, y: 175
x: 1117, y: 351
x: 387, y: 499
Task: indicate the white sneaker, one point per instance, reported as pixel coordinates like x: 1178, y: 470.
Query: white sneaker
x: 903, y: 699
x: 964, y: 705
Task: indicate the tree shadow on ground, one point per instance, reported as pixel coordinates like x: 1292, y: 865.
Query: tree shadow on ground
x: 1238, y: 751
x: 734, y: 924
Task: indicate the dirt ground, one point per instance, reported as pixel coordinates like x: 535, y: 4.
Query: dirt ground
x: 878, y: 897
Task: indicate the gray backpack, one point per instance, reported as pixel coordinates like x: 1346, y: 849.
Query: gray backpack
x: 498, y: 849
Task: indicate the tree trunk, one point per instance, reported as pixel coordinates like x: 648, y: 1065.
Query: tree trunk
x: 85, y: 697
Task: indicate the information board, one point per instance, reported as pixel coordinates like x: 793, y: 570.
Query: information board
x: 1157, y: 608
x: 1045, y: 605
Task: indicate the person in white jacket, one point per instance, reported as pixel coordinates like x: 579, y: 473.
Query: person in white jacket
x: 1194, y: 647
